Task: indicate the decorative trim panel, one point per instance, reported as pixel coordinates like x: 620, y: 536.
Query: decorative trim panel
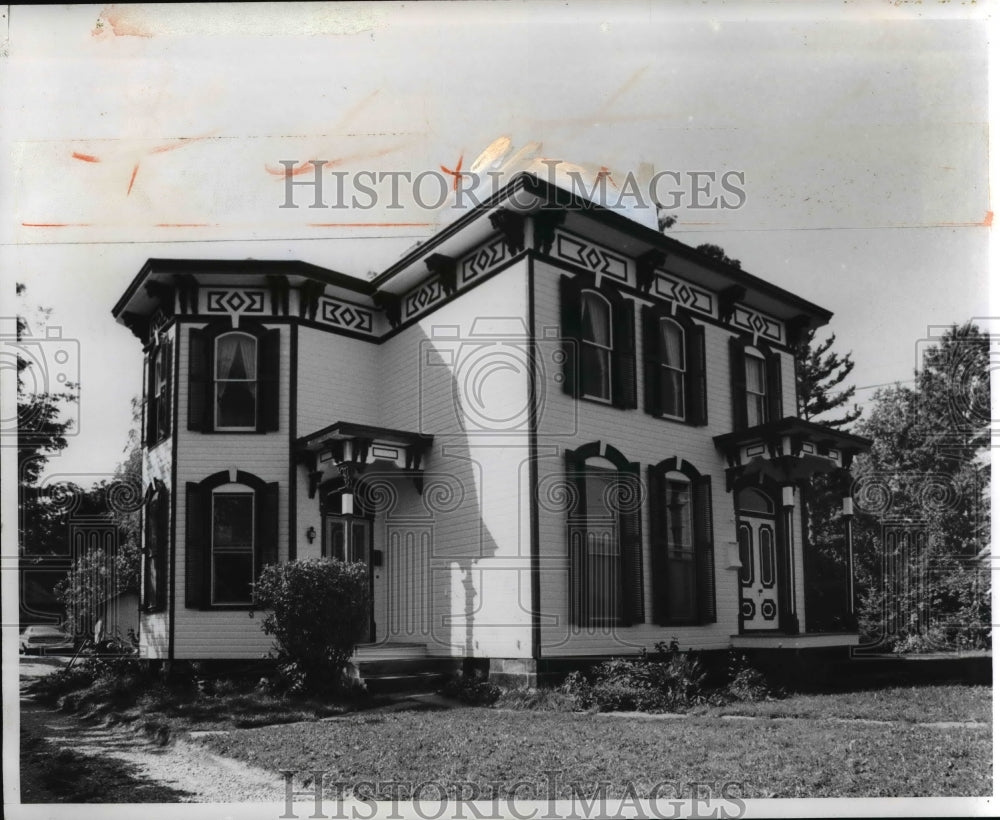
x: 346, y: 315
x: 586, y: 254
x: 760, y: 323
x: 235, y: 301
x: 484, y: 259
x: 679, y: 291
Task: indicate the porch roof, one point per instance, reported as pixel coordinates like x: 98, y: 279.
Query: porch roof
x: 345, y: 430
x: 789, y: 449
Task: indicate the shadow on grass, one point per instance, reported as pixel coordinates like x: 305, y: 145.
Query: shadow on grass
x: 50, y: 774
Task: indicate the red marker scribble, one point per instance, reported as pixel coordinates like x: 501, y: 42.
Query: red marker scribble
x: 457, y: 173
x: 184, y: 225
x: 988, y: 221
x: 131, y: 181
x: 55, y: 224
x: 85, y: 157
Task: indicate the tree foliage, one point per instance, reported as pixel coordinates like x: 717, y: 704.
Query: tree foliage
x: 819, y: 373
x: 922, y: 511
x: 716, y: 252
x: 317, y: 610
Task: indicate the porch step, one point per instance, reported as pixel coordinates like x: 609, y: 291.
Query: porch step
x: 389, y: 651
x: 390, y: 667
x: 414, y: 682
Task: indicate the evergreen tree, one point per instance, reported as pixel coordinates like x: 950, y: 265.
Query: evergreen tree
x: 819, y: 372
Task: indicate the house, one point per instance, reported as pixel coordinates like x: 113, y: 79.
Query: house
x: 553, y: 435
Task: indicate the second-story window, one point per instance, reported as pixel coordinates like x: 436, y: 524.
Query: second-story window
x: 235, y: 382
x: 233, y: 378
x: 596, y: 346
x: 598, y: 333
x: 674, y: 365
x: 673, y: 369
x: 158, y: 405
x: 756, y: 387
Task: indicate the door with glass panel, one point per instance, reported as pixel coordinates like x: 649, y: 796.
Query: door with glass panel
x: 348, y: 538
x: 755, y: 532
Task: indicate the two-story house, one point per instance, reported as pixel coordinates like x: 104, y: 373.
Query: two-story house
x: 553, y: 434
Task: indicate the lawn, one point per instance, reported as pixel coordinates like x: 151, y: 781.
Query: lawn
x: 805, y: 756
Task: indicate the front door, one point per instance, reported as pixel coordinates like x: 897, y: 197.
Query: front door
x: 349, y: 538
x: 758, y: 560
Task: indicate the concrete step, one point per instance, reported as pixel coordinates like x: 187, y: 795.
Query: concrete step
x: 406, y: 666
x: 413, y: 682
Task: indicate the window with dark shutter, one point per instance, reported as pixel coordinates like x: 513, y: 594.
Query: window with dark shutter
x: 755, y: 372
x: 605, y: 538
x: 158, y: 394
x: 598, y: 329
x: 232, y: 534
x: 157, y: 535
x: 682, y: 544
x: 674, y: 366
x: 233, y: 379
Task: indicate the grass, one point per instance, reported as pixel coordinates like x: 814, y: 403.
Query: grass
x: 907, y: 704
x: 770, y: 759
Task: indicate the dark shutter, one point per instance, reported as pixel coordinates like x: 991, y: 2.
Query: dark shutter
x: 269, y: 394
x: 200, y: 404
x: 623, y: 391
x: 630, y: 547
x: 576, y: 537
x: 150, y: 392
x: 697, y: 398
x: 569, y: 312
x: 658, y: 547
x: 267, y: 526
x: 701, y: 491
x: 773, y: 365
x: 651, y: 360
x: 162, y: 529
x: 148, y: 594
x: 738, y: 381
x: 198, y: 547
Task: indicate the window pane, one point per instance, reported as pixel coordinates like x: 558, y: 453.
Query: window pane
x: 596, y: 320
x: 766, y: 557
x: 232, y: 520
x: 336, y: 539
x: 753, y: 500
x: 671, y: 344
x: 237, y: 404
x: 756, y: 413
x: 232, y: 577
x: 681, y: 587
x: 236, y: 357
x: 599, y: 486
x: 359, y: 541
x: 595, y: 371
x: 755, y: 373
x: 678, y: 515
x: 672, y: 392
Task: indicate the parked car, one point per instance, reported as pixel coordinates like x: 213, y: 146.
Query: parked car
x: 35, y: 640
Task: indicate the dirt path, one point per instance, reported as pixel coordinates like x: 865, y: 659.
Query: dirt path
x: 64, y: 759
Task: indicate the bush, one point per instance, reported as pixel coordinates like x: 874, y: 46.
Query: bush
x: 472, y: 691
x: 317, y: 611
x: 539, y: 700
x: 52, y: 687
x: 640, y: 684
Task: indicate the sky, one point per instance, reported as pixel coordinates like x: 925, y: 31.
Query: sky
x: 129, y: 132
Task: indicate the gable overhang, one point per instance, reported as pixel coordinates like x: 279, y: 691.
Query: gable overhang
x: 788, y: 451
x: 528, y: 195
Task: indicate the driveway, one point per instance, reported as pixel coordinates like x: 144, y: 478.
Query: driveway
x: 67, y: 760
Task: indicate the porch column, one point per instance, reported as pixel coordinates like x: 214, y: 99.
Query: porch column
x: 848, y: 510
x: 791, y: 625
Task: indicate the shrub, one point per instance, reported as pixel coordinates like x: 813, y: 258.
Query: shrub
x: 52, y: 687
x: 539, y: 700
x: 317, y: 611
x: 472, y: 691
x: 671, y: 682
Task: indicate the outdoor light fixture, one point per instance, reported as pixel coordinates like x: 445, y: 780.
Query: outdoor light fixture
x: 311, y: 534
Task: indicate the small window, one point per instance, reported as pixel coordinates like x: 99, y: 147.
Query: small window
x: 232, y: 545
x: 756, y: 381
x: 753, y: 501
x: 595, y: 338
x: 236, y: 382
x: 673, y: 369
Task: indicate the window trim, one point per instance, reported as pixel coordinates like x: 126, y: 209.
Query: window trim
x: 233, y: 488
x: 216, y: 381
x: 762, y: 398
x: 683, y: 370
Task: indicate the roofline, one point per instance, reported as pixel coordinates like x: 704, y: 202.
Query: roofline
x: 787, y: 426
x: 294, y: 267
x: 559, y: 198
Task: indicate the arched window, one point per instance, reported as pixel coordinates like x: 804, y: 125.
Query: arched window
x: 598, y: 336
x: 597, y: 347
x: 673, y: 369
x: 755, y: 370
x: 756, y: 386
x: 680, y: 516
x: 231, y: 521
x: 751, y: 500
x: 605, y: 540
x: 235, y: 382
x: 233, y: 529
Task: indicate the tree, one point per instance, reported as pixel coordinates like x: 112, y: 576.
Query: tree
x: 715, y: 252
x: 922, y: 511
x: 818, y: 373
